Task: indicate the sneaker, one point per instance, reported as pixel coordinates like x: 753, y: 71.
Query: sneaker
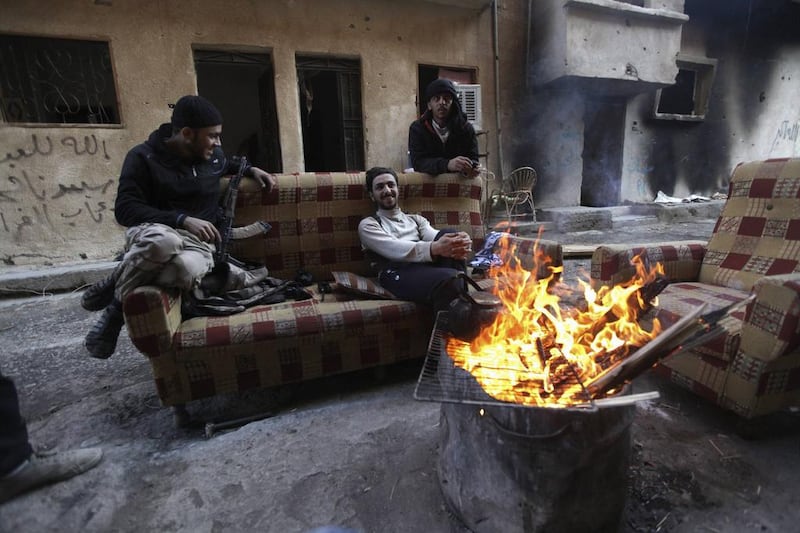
x: 99, y: 295
x: 101, y: 341
x: 43, y: 468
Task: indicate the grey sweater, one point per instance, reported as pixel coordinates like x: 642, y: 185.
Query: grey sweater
x: 398, y: 236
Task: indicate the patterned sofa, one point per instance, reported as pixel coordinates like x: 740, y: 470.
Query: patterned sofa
x: 314, y: 219
x: 754, y: 368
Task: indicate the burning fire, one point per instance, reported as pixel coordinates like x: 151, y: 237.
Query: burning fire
x: 542, y: 350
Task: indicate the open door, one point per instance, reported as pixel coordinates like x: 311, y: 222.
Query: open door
x: 603, y: 126
x: 242, y: 86
x: 330, y: 113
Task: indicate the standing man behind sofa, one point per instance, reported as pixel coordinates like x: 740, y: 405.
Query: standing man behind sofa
x: 413, y: 260
x: 442, y: 139
x: 168, y: 198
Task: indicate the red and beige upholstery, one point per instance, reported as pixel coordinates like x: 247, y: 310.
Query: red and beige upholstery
x: 314, y: 219
x: 754, y: 368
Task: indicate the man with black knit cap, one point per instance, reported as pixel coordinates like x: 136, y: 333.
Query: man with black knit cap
x: 168, y: 198
x: 442, y: 140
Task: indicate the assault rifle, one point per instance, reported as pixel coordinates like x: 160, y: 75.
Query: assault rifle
x: 225, y: 219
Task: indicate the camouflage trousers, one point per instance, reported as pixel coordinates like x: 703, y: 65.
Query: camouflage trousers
x: 156, y: 254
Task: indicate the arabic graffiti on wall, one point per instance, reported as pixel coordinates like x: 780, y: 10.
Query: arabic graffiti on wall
x: 786, y: 134
x: 29, y: 198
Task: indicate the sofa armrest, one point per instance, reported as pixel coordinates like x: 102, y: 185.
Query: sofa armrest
x: 771, y: 326
x: 153, y: 316
x: 531, y: 253
x: 611, y: 264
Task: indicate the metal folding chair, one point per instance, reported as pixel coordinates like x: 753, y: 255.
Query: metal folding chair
x: 516, y: 190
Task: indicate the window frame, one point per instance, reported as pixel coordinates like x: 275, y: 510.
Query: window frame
x: 111, y: 86
x: 704, y: 69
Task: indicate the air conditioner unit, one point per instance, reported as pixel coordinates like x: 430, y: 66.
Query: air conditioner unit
x: 470, y: 97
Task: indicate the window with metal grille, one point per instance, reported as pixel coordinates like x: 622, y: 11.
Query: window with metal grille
x: 56, y: 81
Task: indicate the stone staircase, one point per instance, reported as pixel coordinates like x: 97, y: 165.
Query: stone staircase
x: 578, y: 219
x: 581, y: 229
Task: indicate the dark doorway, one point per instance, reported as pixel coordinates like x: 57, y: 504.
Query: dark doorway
x: 603, y: 127
x: 330, y: 113
x: 242, y: 86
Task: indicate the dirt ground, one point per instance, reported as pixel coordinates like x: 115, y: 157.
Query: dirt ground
x: 355, y: 451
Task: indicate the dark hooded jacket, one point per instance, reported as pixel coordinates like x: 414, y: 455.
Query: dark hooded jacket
x: 157, y: 186
x: 427, y: 151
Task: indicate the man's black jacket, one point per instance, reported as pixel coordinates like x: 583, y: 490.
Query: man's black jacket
x: 157, y: 186
x: 429, y: 154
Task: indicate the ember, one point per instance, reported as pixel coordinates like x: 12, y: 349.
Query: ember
x: 543, y: 349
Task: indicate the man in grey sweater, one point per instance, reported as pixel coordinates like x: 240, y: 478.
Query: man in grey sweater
x: 413, y: 260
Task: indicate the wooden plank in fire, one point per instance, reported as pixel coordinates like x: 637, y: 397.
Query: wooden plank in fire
x: 692, y: 330
x: 648, y: 354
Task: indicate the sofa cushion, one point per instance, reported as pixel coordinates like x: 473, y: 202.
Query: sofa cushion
x: 749, y: 387
x: 361, y: 285
x: 758, y: 231
x: 612, y: 263
x: 678, y: 299
x: 293, y: 341
x: 315, y: 216
x: 288, y: 320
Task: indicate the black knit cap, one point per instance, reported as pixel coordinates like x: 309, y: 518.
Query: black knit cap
x: 195, y: 112
x: 440, y: 86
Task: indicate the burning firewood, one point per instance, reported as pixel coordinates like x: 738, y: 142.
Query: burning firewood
x: 635, y: 305
x: 691, y: 330
x: 548, y: 347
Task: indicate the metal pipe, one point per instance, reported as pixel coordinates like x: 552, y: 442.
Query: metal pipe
x: 497, y: 89
x: 528, y: 48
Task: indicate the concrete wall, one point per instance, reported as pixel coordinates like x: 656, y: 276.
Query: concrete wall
x: 753, y: 111
x: 752, y: 114
x: 57, y: 184
x: 631, y: 43
x: 587, y: 49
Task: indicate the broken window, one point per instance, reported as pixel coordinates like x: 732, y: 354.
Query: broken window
x: 688, y: 98
x: 59, y: 81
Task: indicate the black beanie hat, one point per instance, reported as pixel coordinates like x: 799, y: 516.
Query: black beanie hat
x: 440, y: 86
x: 195, y: 112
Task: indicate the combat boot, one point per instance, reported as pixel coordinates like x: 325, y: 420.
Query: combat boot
x: 101, y: 341
x: 99, y: 295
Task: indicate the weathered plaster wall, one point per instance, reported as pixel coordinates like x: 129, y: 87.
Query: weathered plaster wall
x: 635, y: 44
x: 605, y: 39
x: 512, y: 65
x: 587, y: 49
x: 555, y: 143
x: 57, y: 184
x: 753, y: 111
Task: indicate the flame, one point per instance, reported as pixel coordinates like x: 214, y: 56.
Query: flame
x: 548, y: 341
